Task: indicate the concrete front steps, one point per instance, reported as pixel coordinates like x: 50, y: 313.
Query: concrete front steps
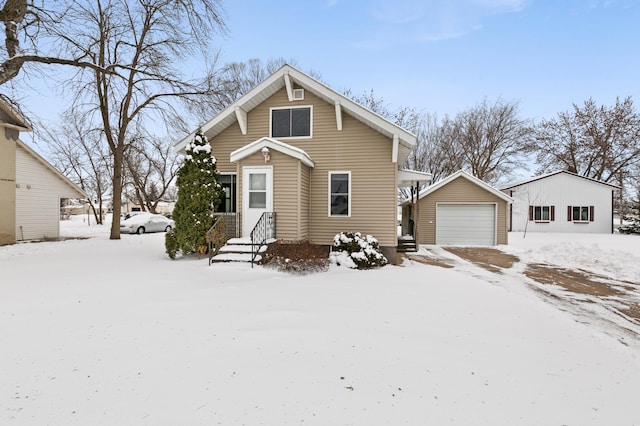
x: 238, y: 250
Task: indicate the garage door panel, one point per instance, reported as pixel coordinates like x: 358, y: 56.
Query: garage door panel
x: 465, y: 224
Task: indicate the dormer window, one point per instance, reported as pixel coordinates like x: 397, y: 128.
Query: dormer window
x: 291, y: 122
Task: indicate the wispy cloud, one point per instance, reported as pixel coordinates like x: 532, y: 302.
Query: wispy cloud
x: 407, y: 21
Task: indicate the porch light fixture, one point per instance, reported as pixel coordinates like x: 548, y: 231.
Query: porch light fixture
x: 266, y: 154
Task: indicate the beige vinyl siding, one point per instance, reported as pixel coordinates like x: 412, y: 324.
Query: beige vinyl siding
x: 305, y: 181
x: 288, y: 194
x: 38, y: 198
x: 357, y: 148
x: 459, y: 190
x: 7, y: 189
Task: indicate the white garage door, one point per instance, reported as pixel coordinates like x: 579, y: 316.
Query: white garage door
x: 466, y: 224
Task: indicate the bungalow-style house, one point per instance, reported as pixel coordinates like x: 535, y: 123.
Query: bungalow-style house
x: 561, y: 201
x: 31, y: 189
x: 309, y: 162
x: 458, y: 210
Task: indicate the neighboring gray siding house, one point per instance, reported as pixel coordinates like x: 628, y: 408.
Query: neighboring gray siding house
x: 561, y: 201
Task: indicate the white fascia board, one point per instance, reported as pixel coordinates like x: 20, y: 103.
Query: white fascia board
x: 274, y: 79
x: 406, y: 138
x: 274, y: 144
x: 409, y: 177
x: 286, y: 76
x: 470, y: 178
x: 49, y: 166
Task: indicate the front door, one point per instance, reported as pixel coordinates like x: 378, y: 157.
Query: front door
x: 257, y: 196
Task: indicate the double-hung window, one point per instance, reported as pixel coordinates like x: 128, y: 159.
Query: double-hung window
x: 339, y: 193
x: 580, y: 213
x: 291, y: 122
x: 541, y: 213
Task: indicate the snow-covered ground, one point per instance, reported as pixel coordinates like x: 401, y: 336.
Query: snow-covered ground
x: 100, y: 332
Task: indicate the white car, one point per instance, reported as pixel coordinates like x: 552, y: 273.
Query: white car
x: 146, y: 222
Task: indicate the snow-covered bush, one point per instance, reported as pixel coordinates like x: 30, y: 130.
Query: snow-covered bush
x: 198, y: 192
x: 355, y: 251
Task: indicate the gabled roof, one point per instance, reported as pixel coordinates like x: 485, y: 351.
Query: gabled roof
x: 470, y: 178
x: 16, y: 119
x: 286, y: 76
x: 533, y: 179
x: 274, y: 144
x: 46, y: 164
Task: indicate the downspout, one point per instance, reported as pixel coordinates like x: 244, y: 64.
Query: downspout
x: 416, y: 216
x: 612, y: 208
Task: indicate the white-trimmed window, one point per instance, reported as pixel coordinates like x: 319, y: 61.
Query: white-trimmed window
x: 340, y: 194
x: 580, y: 213
x: 542, y: 213
x: 228, y: 203
x: 291, y: 122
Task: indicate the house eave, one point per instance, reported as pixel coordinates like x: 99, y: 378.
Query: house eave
x: 278, y: 80
x: 410, y: 177
x: 470, y: 178
x: 45, y: 163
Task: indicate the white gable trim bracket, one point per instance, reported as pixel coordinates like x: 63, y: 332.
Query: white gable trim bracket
x: 289, y: 85
x: 394, y: 149
x: 241, y: 116
x: 338, y: 116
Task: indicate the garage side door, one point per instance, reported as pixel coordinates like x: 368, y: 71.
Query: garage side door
x: 466, y: 224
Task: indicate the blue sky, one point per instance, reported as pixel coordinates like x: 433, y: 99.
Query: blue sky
x: 438, y: 56
x: 444, y: 56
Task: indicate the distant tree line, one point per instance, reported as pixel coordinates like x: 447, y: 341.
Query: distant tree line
x: 130, y: 89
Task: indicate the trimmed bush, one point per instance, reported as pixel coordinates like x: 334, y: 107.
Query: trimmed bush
x: 354, y: 251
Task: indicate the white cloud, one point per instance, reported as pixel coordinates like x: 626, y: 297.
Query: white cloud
x: 406, y: 21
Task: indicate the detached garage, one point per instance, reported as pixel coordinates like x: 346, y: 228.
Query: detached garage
x: 462, y: 210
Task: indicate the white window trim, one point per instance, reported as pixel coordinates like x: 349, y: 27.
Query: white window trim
x: 235, y: 196
x: 581, y: 220
x: 292, y: 107
x: 335, y: 172
x: 541, y: 220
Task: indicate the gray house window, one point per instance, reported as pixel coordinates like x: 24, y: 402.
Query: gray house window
x: 291, y: 122
x: 228, y: 204
x: 339, y: 193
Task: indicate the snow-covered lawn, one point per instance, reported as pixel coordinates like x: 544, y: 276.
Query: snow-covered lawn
x: 100, y: 332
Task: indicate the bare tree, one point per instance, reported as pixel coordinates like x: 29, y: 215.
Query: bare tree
x: 406, y: 117
x: 27, y: 20
x: 79, y: 153
x: 145, y: 44
x: 594, y: 141
x: 436, y: 151
x: 492, y: 137
x: 151, y: 166
x: 235, y: 79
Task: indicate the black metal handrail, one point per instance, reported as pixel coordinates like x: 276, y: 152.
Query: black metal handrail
x: 265, y: 229
x: 225, y: 227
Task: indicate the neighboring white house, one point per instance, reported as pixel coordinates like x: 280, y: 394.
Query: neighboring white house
x: 561, y: 202
x: 40, y: 187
